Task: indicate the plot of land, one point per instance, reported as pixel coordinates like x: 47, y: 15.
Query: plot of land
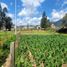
x: 47, y: 50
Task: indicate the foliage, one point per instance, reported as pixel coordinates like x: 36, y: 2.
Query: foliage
x: 8, y: 24
x: 49, y: 49
x: 62, y: 30
x: 5, y: 39
x: 44, y: 21
x: 5, y: 21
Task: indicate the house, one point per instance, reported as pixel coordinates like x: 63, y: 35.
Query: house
x: 53, y: 26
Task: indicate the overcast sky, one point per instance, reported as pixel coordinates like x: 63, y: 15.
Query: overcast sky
x: 30, y: 11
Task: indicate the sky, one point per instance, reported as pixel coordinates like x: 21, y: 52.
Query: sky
x: 30, y: 11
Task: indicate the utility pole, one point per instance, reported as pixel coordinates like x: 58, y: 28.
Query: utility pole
x: 15, y: 29
x: 15, y: 18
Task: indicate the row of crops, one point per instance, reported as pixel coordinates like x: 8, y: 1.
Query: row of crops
x: 41, y: 50
x: 5, y: 39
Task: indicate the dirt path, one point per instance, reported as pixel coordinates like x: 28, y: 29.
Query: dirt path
x: 8, y: 62
x: 32, y: 60
x: 64, y: 65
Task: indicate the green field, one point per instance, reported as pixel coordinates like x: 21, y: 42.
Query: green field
x: 36, y: 47
x: 5, y: 39
x: 47, y: 50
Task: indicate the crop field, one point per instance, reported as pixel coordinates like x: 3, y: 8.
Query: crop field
x: 41, y: 51
x: 5, y: 39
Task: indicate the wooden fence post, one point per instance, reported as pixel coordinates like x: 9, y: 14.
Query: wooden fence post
x: 12, y: 54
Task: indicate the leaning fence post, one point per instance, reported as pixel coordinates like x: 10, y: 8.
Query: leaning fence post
x: 12, y: 54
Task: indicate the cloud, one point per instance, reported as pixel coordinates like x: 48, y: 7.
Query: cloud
x: 22, y: 12
x: 56, y: 15
x: 28, y: 20
x: 35, y: 21
x: 4, y: 5
x: 20, y: 22
x: 34, y: 3
x: 30, y: 7
x: 23, y: 21
x: 28, y: 12
x: 10, y: 15
x: 48, y: 18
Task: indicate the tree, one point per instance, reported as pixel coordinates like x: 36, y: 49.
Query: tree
x: 8, y: 23
x: 44, y: 21
x: 1, y: 24
x: 5, y: 21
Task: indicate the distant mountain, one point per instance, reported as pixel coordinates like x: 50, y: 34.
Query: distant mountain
x: 58, y: 23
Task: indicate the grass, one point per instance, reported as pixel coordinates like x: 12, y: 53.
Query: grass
x: 5, y: 39
x: 4, y: 36
x: 37, y: 32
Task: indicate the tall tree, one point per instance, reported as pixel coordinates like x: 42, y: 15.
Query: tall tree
x: 44, y: 21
